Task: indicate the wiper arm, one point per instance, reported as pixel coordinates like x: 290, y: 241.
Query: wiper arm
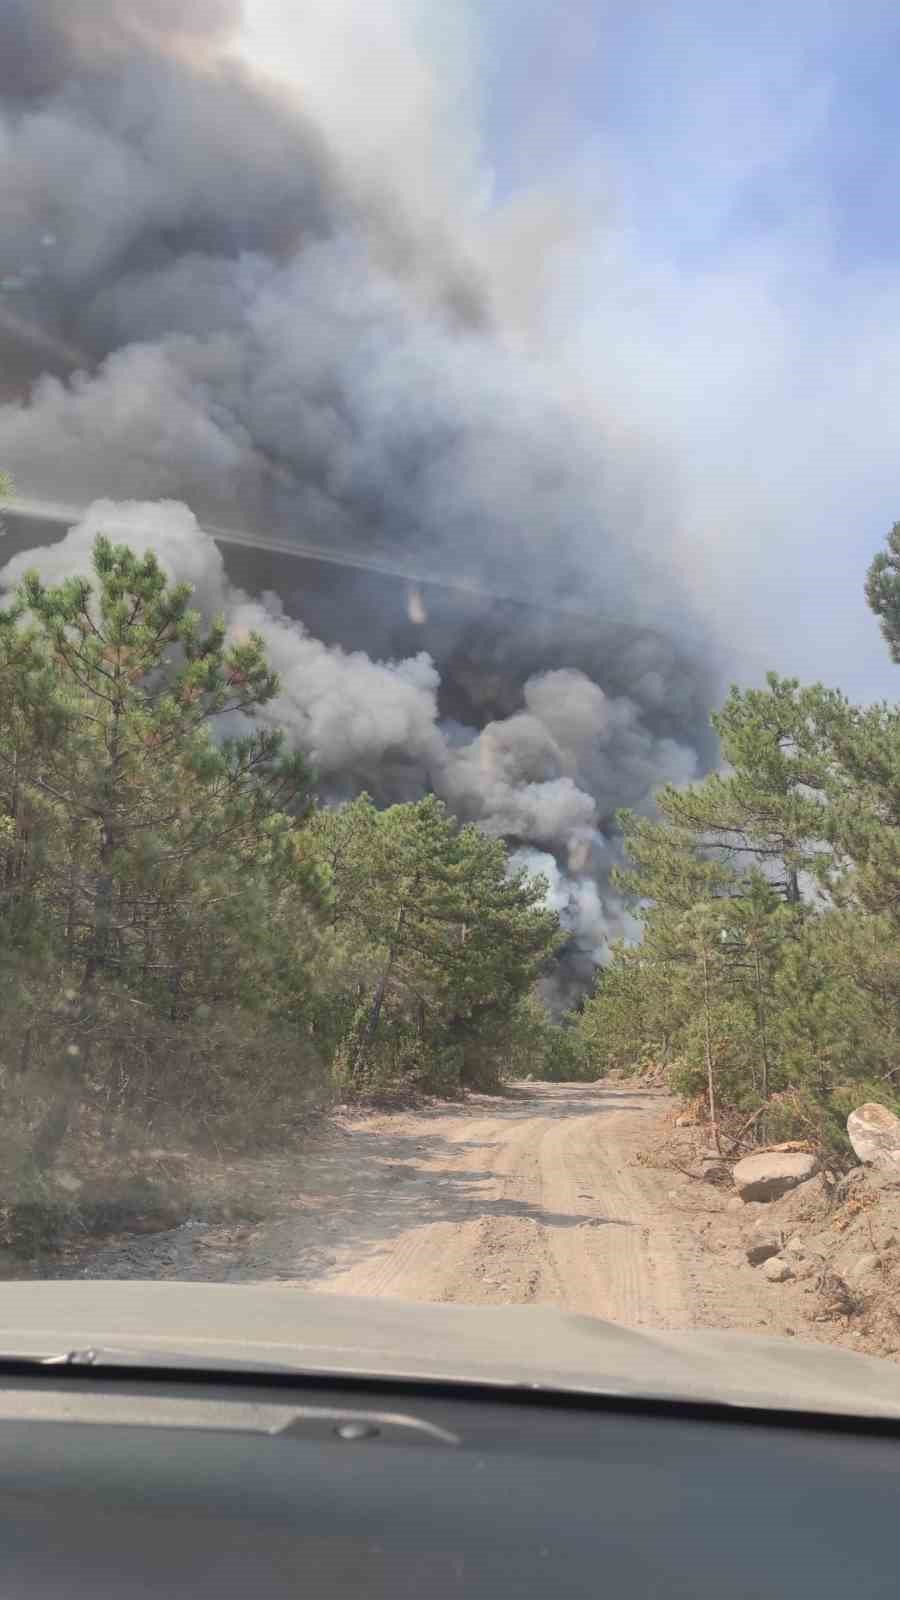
x: 77, y: 1358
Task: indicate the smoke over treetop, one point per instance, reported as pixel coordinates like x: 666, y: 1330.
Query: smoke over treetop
x: 279, y: 347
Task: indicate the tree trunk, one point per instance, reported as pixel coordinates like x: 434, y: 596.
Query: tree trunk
x: 761, y: 1018
x: 103, y: 893
x: 710, y: 1075
x: 25, y: 1050
x: 71, y: 1063
x: 13, y: 862
x: 103, y: 881
x: 55, y: 1126
x: 367, y: 1036
x: 70, y: 916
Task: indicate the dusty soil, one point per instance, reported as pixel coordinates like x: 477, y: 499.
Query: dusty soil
x: 542, y: 1195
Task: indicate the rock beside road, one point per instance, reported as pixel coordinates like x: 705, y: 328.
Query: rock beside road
x: 828, y: 1241
x: 865, y: 1266
x: 803, y: 1261
x: 874, y: 1133
x: 714, y: 1170
x: 777, y: 1270
x: 807, y: 1203
x: 772, y: 1173
x: 761, y: 1248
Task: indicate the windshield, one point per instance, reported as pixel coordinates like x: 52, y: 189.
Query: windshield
x: 449, y: 747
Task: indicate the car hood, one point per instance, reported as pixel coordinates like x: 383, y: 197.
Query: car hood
x: 539, y: 1347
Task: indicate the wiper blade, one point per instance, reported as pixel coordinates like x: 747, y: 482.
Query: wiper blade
x: 101, y: 1356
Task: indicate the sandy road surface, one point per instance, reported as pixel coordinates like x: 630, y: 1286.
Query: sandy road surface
x: 530, y: 1200
x: 534, y: 1197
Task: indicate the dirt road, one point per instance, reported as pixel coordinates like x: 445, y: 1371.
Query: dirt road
x: 534, y: 1197
x: 532, y: 1200
x: 560, y: 1193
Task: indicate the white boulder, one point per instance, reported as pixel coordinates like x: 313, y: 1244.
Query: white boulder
x: 778, y: 1271
x: 874, y: 1133
x: 772, y: 1173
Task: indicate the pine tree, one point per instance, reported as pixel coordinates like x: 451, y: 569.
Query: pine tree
x: 754, y: 939
x: 108, y: 736
x: 769, y: 811
x: 448, y: 941
x: 623, y: 1023
x: 668, y: 866
x: 864, y: 810
x: 883, y: 590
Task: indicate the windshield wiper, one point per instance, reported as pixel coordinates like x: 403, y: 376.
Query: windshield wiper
x: 101, y: 1356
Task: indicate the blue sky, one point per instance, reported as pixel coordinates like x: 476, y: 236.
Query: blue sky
x: 721, y: 112
x: 697, y: 202
x: 736, y: 286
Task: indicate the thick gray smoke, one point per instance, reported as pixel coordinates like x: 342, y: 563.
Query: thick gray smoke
x: 548, y: 774
x: 197, y: 306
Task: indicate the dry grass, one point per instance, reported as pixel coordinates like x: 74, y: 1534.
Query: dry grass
x: 150, y: 1106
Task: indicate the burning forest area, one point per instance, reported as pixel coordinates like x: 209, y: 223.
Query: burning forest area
x: 365, y: 738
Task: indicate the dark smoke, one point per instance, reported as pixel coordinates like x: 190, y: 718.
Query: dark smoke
x: 206, y: 311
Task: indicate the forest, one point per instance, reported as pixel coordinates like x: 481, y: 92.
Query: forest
x: 192, y: 945
x: 189, y: 943
x: 767, y: 976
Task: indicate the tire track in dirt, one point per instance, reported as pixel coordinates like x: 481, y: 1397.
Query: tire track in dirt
x: 535, y: 1196
x: 541, y: 1204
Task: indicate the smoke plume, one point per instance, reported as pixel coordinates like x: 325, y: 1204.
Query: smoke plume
x: 206, y: 302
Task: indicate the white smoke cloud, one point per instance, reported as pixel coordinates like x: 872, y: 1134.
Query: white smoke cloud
x: 347, y: 712
x: 591, y: 917
x: 419, y: 102
x: 186, y: 552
